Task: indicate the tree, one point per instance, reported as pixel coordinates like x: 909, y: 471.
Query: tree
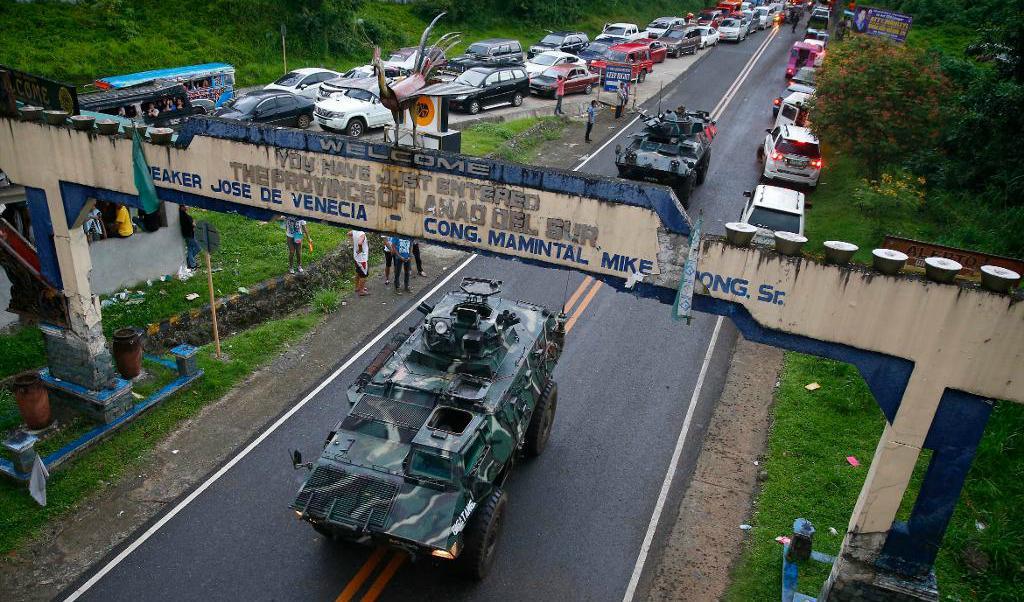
x: 879, y: 101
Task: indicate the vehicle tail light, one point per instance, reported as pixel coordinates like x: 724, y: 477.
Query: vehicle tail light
x: 816, y: 163
x: 777, y: 101
x: 776, y: 156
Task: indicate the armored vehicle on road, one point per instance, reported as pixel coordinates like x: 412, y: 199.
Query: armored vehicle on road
x: 674, y: 149
x: 437, y: 421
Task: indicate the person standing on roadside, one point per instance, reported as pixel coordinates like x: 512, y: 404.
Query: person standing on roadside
x: 361, y: 259
x: 559, y: 93
x: 188, y: 232
x: 401, y: 252
x: 295, y: 230
x: 623, y: 94
x: 591, y: 118
x: 416, y: 256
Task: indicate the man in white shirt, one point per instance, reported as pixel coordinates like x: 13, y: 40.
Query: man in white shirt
x: 361, y: 258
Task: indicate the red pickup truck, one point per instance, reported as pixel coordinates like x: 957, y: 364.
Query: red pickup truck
x: 636, y: 55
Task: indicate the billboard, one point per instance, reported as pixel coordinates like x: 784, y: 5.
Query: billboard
x: 616, y: 74
x: 39, y: 91
x: 882, y: 23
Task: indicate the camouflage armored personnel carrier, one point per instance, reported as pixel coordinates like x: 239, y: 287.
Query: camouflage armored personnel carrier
x: 436, y: 423
x: 673, y: 149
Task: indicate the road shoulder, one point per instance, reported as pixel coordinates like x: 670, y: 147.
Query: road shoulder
x: 706, y: 539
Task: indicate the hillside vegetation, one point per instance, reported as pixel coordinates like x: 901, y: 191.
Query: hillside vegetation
x: 94, y: 38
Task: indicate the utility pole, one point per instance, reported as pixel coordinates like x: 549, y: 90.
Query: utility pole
x: 284, y: 50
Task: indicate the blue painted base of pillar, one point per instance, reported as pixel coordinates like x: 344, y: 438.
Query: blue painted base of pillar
x: 104, y: 405
x: 790, y: 573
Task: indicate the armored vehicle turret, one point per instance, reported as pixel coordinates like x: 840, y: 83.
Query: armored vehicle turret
x: 435, y: 425
x: 674, y: 149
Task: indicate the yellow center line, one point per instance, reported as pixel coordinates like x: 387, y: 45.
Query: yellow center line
x: 583, y: 305
x: 353, y: 587
x: 576, y: 295
x: 382, y: 580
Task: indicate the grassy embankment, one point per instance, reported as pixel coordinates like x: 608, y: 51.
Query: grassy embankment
x: 813, y: 432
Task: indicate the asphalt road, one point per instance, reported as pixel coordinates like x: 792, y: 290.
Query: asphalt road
x: 578, y: 515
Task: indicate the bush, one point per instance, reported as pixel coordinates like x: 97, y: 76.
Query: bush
x: 879, y: 101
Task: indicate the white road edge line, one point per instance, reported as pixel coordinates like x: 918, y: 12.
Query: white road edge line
x: 248, y: 448
x: 666, y: 484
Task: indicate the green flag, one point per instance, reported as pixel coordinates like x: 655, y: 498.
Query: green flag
x: 143, y: 177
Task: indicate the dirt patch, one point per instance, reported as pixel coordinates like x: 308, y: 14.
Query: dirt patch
x: 706, y: 539
x: 49, y: 563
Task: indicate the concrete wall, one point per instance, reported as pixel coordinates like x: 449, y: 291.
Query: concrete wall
x: 122, y: 262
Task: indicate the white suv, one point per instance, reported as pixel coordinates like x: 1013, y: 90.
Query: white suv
x: 773, y: 209
x: 791, y: 154
x: 352, y: 112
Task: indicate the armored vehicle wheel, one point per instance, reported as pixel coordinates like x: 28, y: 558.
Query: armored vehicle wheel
x: 685, y: 191
x: 481, y: 537
x: 540, y: 424
x: 702, y: 173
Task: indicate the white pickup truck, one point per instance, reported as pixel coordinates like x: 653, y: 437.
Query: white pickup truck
x: 615, y: 31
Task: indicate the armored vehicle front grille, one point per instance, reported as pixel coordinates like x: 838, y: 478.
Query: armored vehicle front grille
x: 406, y: 417
x: 350, y: 499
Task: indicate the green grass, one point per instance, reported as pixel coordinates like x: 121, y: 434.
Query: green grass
x: 20, y: 517
x: 21, y: 349
x: 496, y: 138
x: 809, y: 477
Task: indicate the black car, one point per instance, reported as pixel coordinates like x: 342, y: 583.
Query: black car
x: 494, y: 86
x: 272, y: 107
x: 566, y: 41
x: 681, y: 40
x: 486, y: 53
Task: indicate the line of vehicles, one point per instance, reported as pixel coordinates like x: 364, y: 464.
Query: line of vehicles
x: 500, y: 71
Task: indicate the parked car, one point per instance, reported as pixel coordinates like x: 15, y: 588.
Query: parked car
x: 763, y: 15
x: 391, y: 72
x: 404, y: 59
x: 804, y: 75
x: 791, y: 154
x: 681, y: 40
x: 793, y: 110
x: 656, y: 47
x: 577, y: 79
x: 791, y: 88
x: 658, y: 27
x: 594, y: 50
x: 748, y: 24
x: 708, y: 36
x: 485, y: 53
x: 801, y: 54
x: 732, y: 30
x: 773, y: 209
x: 637, y: 56
x: 353, y: 110
x: 565, y: 41
x: 304, y: 82
x: 272, y: 107
x: 620, y: 30
x: 494, y: 86
x: 543, y: 61
x: 820, y: 58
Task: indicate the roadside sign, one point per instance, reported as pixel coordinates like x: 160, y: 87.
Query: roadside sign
x: 971, y: 261
x: 615, y: 74
x: 208, y: 237
x: 881, y: 23
x: 39, y: 91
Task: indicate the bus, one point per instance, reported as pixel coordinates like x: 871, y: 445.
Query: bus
x: 159, y: 104
x: 209, y: 85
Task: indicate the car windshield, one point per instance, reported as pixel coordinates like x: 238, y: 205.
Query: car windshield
x: 552, y: 40
x: 615, y: 31
x: 244, y: 104
x: 774, y: 220
x: 544, y: 59
x: 471, y: 78
x: 358, y: 94
x: 704, y: 30
x: 659, y: 24
x: 674, y: 34
x: 731, y: 23
x: 431, y: 466
x: 804, y: 75
x: 615, y: 55
x: 289, y: 79
x: 794, y: 147
x: 478, y: 49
